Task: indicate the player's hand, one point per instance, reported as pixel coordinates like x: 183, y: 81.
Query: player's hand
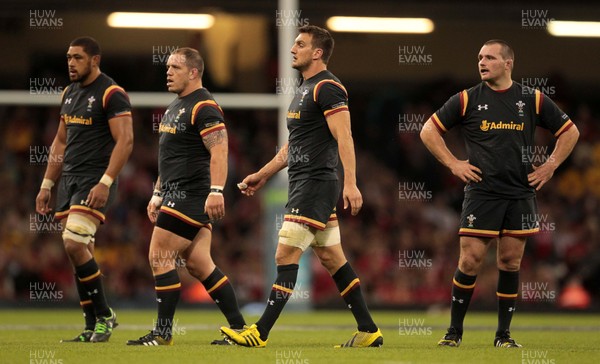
x: 153, y: 207
x: 98, y: 196
x: 352, y: 198
x: 215, y: 206
x: 42, y: 200
x: 540, y: 175
x: 466, y: 171
x: 251, y: 184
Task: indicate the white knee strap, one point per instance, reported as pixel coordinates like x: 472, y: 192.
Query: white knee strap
x: 79, y: 228
x: 296, y: 235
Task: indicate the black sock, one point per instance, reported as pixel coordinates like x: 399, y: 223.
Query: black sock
x: 348, y: 284
x: 168, y: 290
x: 508, y: 291
x: 280, y: 294
x: 89, y: 314
x: 90, y: 277
x: 463, y: 286
x: 220, y: 290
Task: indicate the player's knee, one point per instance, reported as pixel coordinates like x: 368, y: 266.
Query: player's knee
x: 79, y: 229
x: 73, y: 248
x: 330, y: 261
x: 199, y: 270
x: 470, y: 263
x: 282, y: 258
x: 509, y: 262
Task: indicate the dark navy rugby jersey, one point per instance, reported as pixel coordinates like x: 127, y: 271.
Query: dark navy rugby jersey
x: 312, y: 149
x: 86, y: 110
x: 183, y: 160
x: 499, y: 129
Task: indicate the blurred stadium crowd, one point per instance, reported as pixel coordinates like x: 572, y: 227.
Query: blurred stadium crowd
x: 563, y: 261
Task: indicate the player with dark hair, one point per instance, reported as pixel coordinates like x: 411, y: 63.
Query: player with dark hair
x: 93, y: 142
x: 319, y: 124
x: 192, y: 164
x: 498, y: 118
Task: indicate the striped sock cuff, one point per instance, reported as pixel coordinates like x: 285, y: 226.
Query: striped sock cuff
x: 167, y: 281
x: 215, y: 280
x: 463, y: 281
x: 508, y: 284
x: 88, y: 271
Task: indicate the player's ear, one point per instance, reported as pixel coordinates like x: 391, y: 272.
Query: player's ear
x: 317, y: 53
x: 96, y: 60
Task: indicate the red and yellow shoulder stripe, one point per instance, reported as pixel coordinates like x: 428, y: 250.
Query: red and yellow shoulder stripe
x: 62, y: 96
x: 464, y: 101
x: 323, y: 82
x: 539, y: 100
x: 201, y: 104
x: 110, y: 90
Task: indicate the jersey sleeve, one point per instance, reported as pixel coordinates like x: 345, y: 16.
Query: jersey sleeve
x: 207, y: 117
x: 62, y: 104
x: 452, y: 112
x: 551, y: 117
x: 116, y: 102
x: 331, y: 96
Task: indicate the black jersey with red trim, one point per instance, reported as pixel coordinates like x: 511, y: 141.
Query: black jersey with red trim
x: 499, y: 129
x: 312, y: 149
x: 183, y: 160
x: 86, y: 110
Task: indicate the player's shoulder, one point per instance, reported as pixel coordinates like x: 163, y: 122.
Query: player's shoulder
x: 475, y: 90
x: 105, y: 81
x: 203, y: 94
x: 327, y: 81
x: 203, y: 100
x: 475, y: 95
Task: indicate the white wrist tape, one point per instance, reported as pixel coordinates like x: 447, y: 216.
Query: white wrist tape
x: 106, y: 180
x: 47, y: 184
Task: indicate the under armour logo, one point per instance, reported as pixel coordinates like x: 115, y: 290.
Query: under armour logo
x: 83, y: 202
x: 217, y: 301
x: 350, y: 306
x: 93, y: 292
x: 295, y: 211
x: 511, y: 309
x: 484, y: 107
x: 159, y: 300
x: 271, y: 302
x: 68, y: 101
x: 454, y: 299
x: 171, y: 204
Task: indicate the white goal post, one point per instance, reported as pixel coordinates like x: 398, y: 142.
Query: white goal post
x: 149, y: 99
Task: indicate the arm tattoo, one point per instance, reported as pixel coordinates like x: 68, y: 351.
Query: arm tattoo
x: 215, y: 138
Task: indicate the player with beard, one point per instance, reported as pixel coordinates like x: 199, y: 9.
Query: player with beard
x: 92, y: 144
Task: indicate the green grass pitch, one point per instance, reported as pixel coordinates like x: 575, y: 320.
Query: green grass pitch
x: 32, y: 336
